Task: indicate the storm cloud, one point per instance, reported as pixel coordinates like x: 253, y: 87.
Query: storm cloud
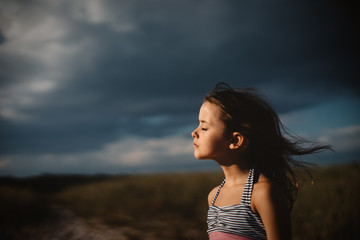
x: 100, y: 82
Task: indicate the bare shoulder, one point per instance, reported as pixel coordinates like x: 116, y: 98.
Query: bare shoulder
x: 212, y: 194
x: 268, y: 200
x: 262, y: 186
x: 265, y: 191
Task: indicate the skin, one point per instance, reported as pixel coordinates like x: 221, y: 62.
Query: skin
x: 213, y: 141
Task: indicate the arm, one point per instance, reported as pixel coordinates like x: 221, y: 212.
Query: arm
x: 269, y: 202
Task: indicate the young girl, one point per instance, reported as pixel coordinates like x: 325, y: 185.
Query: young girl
x: 244, y: 135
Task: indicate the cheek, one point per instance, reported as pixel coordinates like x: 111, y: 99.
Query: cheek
x: 219, y: 143
x: 220, y: 146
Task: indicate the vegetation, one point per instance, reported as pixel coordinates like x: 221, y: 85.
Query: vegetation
x: 162, y: 206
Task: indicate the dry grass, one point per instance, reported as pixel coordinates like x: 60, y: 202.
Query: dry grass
x: 164, y: 206
x: 329, y: 207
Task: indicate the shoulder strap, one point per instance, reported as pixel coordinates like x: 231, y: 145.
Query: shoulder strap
x: 246, y: 196
x: 217, y: 193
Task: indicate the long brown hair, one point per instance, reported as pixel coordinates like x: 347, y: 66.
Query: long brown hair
x: 269, y: 146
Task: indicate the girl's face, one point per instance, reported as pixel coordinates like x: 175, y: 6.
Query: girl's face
x: 211, y: 140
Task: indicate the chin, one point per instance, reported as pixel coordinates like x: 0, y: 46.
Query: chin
x: 200, y: 157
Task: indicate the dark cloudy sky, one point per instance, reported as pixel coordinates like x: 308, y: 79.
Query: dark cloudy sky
x: 111, y: 86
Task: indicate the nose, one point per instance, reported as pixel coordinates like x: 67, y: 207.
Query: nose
x: 194, y: 134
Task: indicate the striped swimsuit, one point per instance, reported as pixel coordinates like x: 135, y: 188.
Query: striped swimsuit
x: 235, y: 221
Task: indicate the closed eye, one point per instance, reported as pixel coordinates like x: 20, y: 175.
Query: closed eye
x: 204, y: 129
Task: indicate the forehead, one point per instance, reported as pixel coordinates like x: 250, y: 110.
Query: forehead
x: 210, y: 112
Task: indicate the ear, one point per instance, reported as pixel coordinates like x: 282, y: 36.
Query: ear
x: 237, y: 140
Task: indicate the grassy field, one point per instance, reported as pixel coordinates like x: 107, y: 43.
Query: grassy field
x: 162, y: 206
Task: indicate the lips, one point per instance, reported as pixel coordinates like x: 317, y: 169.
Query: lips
x: 195, y: 145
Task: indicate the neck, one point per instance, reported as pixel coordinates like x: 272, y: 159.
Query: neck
x: 235, y: 171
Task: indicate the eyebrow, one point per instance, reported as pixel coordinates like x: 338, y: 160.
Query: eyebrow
x: 203, y: 121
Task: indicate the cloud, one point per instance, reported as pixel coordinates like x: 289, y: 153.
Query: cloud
x: 101, y: 13
x: 80, y: 75
x: 340, y: 112
x: 3, y: 163
x: 38, y: 39
x: 334, y: 123
x: 130, y: 152
x: 135, y: 151
x: 343, y: 139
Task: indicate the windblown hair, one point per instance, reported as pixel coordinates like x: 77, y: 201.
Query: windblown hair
x: 269, y: 146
